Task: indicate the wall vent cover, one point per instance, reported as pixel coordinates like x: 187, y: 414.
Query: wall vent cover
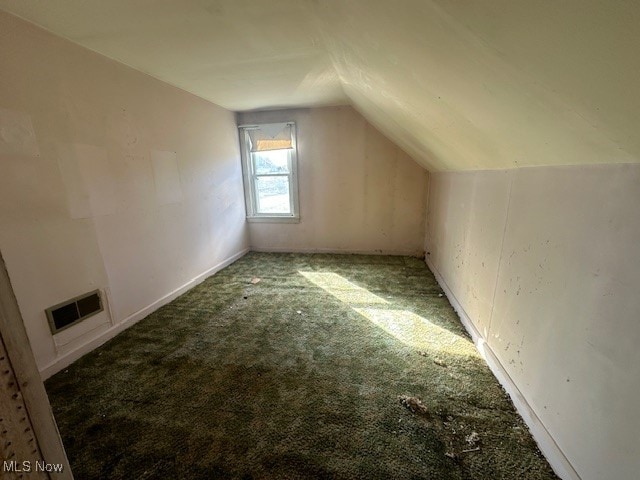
x: 68, y: 313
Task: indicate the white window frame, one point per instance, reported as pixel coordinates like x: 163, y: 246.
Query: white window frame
x: 249, y: 178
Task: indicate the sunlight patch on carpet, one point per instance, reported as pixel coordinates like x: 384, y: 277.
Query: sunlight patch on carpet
x: 342, y: 289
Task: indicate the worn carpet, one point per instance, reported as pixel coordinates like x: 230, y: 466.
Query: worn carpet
x: 329, y: 366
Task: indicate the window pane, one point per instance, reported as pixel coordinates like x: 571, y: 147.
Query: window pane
x: 273, y: 194
x: 273, y: 161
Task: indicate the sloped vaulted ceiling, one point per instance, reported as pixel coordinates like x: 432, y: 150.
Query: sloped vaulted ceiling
x: 459, y: 84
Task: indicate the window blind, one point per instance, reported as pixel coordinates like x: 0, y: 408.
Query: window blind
x: 271, y: 136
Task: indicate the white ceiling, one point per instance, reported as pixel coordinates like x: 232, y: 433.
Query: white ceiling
x: 458, y: 84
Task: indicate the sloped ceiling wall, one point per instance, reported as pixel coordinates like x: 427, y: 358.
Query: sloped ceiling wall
x: 458, y: 84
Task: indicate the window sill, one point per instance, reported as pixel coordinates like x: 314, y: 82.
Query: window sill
x: 276, y: 219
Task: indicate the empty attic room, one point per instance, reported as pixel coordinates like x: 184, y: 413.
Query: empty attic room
x: 304, y: 239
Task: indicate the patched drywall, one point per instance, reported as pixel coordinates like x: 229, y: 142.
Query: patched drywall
x: 544, y: 262
x: 358, y: 191
x: 458, y: 85
x: 110, y: 180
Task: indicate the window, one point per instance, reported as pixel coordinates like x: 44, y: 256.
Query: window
x: 269, y: 162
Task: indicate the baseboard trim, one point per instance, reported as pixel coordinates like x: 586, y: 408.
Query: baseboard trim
x: 347, y: 251
x: 548, y: 446
x: 68, y: 358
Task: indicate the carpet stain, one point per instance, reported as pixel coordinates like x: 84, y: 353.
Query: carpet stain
x: 295, y: 376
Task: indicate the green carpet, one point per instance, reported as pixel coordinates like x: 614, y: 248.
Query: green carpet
x: 296, y: 376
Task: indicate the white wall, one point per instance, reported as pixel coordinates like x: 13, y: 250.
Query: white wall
x: 359, y: 192
x: 545, y: 263
x: 109, y: 179
x: 459, y: 85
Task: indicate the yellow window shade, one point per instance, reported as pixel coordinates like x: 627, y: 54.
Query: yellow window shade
x: 272, y: 136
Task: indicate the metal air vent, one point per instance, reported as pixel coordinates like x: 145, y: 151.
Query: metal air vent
x: 72, y: 311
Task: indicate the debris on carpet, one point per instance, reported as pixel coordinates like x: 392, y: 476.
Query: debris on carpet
x: 215, y: 385
x: 472, y: 439
x: 414, y: 405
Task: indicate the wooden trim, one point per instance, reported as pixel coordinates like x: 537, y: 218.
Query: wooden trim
x: 26, y: 372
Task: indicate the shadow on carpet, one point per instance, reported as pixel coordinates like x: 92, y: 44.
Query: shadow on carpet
x: 326, y: 366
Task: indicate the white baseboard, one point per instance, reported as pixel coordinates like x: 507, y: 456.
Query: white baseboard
x: 404, y: 253
x: 68, y: 358
x: 548, y: 446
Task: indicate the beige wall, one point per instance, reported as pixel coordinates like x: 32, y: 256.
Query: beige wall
x: 544, y: 262
x: 109, y: 179
x: 358, y: 191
